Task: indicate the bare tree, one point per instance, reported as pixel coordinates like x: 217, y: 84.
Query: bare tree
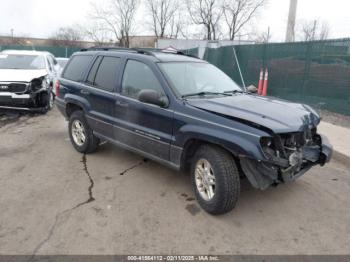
x: 98, y: 33
x: 177, y: 25
x: 206, y: 13
x: 163, y: 13
x: 67, y: 36
x: 324, y: 31
x: 117, y: 17
x: 261, y: 37
x: 314, y: 30
x: 238, y: 13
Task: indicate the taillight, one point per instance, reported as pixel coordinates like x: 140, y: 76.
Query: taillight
x: 57, y: 87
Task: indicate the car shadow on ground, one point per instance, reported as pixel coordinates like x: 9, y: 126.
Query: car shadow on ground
x: 8, y: 116
x: 251, y: 200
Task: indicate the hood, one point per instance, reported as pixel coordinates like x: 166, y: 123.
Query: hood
x: 274, y: 114
x: 20, y: 75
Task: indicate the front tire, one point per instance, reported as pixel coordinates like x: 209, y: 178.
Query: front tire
x: 47, y: 100
x: 81, y: 135
x: 215, y: 179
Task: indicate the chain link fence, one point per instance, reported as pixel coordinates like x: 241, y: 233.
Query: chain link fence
x: 315, y: 73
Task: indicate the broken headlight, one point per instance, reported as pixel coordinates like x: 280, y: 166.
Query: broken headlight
x: 39, y: 83
x: 266, y: 141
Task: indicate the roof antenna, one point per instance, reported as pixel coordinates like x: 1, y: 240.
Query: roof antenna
x: 239, y: 68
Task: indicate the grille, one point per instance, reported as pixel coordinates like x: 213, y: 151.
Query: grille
x: 13, y: 87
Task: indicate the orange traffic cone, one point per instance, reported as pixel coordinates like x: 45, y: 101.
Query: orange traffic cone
x: 261, y: 81
x: 266, y: 82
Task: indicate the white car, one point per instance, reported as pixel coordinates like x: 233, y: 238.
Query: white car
x: 27, y: 79
x: 62, y: 61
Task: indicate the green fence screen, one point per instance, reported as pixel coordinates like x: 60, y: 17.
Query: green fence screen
x: 57, y: 51
x: 315, y: 73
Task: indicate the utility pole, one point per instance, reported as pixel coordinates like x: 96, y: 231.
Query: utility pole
x: 12, y: 35
x: 314, y: 31
x: 290, y: 35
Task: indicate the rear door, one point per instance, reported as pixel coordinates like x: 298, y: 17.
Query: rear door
x: 99, y: 90
x: 144, y: 127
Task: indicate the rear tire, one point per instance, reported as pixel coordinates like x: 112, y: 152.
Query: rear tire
x: 81, y: 135
x: 215, y: 179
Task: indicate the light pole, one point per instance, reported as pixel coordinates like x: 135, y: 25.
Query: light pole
x: 290, y: 35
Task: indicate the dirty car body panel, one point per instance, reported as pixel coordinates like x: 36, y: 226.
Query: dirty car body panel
x: 274, y: 141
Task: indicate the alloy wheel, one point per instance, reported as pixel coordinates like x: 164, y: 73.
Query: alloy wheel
x: 78, y: 133
x: 205, y: 179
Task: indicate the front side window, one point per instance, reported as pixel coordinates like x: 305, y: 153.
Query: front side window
x: 54, y: 60
x: 76, y: 67
x: 137, y: 77
x: 190, y: 78
x: 50, y: 64
x: 106, y: 76
x: 27, y: 62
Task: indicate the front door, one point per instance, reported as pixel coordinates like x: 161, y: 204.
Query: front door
x: 145, y: 127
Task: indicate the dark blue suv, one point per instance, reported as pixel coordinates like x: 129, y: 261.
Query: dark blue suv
x: 187, y: 114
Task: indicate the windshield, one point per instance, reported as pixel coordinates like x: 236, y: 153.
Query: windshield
x: 198, y: 78
x: 62, y: 63
x: 30, y: 62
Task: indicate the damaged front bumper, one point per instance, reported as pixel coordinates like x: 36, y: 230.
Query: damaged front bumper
x: 23, y: 102
x: 277, y: 169
x: 27, y: 96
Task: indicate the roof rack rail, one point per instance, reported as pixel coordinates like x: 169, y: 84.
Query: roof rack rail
x: 137, y: 50
x: 178, y: 52
x: 105, y: 48
x: 115, y: 48
x: 143, y: 51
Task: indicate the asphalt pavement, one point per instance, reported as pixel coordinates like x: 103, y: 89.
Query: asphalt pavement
x: 55, y: 200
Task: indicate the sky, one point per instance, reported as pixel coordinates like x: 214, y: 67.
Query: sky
x: 40, y: 18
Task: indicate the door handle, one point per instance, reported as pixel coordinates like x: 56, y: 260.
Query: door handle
x: 84, y: 92
x: 122, y: 104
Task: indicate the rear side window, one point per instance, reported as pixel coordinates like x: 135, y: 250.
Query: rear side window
x: 106, y: 76
x: 76, y: 67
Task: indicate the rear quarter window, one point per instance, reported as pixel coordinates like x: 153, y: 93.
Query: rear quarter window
x: 76, y: 67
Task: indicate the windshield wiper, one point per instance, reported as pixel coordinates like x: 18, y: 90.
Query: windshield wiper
x: 234, y: 91
x: 204, y: 93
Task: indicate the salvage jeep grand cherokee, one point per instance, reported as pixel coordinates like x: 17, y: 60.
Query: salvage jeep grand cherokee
x: 187, y: 114
x: 26, y: 80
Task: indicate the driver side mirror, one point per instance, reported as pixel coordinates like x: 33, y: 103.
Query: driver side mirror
x: 150, y: 96
x: 252, y: 89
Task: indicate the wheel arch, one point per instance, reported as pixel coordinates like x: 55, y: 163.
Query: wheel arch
x: 74, y: 103
x: 193, y: 144
x: 72, y: 107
